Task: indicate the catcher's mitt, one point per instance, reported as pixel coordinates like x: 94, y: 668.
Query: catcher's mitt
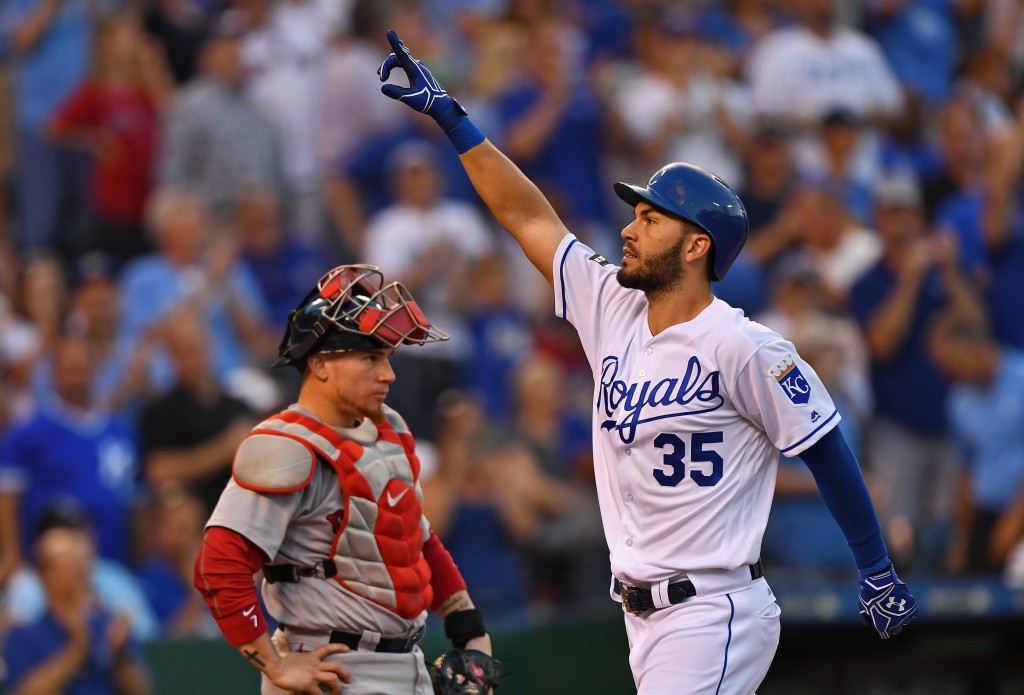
x: 465, y: 672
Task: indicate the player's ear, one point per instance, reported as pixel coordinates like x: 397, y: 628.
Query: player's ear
x: 696, y: 247
x: 316, y: 366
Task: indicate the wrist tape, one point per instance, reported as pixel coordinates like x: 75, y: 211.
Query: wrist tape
x: 462, y: 626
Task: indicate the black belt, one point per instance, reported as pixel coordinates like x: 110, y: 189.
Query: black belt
x: 392, y: 645
x: 636, y: 599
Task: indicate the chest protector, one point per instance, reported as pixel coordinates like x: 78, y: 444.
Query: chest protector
x: 378, y: 542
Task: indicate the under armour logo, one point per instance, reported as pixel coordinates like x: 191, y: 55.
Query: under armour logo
x: 893, y: 602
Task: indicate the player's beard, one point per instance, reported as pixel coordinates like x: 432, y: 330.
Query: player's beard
x: 365, y: 409
x: 655, y: 274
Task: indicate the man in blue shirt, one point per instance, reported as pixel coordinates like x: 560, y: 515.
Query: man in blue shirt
x: 909, y: 450
x: 69, y: 452
x: 986, y: 415
x: 78, y: 647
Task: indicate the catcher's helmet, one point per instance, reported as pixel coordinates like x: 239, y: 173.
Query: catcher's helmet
x: 351, y: 309
x: 701, y: 198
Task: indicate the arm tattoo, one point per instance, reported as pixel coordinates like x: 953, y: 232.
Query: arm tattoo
x: 254, y: 656
x: 459, y: 601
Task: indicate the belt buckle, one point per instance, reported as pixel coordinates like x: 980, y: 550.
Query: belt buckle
x: 414, y: 639
x: 627, y: 595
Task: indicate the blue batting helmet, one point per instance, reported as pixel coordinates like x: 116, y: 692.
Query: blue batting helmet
x: 701, y: 198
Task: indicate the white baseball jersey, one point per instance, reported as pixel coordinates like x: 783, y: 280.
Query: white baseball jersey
x: 688, y: 424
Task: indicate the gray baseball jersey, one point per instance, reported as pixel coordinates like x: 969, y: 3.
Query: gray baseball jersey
x: 299, y: 528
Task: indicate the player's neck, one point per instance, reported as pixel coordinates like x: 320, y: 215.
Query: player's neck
x: 668, y: 309
x: 326, y: 410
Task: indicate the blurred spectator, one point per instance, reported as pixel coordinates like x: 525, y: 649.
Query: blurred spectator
x: 429, y: 243
x: 350, y: 111
x: 567, y: 560
x: 740, y: 24
x: 216, y: 143
x: 459, y: 498
x: 1004, y: 20
x: 910, y: 451
x: 558, y: 437
x: 552, y: 128
x: 280, y: 262
x: 998, y: 220
x: 113, y: 584
x: 176, y: 520
x: 906, y: 145
x: 69, y: 450
x: 362, y: 185
x: 499, y: 336
x: 197, y: 268
x: 79, y: 645
x: 845, y: 157
x: 51, y: 41
x: 180, y: 27
x: 986, y: 416
x: 490, y: 502
x: 682, y: 105
x: 920, y: 42
x: 31, y: 321
x: 797, y: 74
x: 768, y: 179
x: 961, y: 151
x: 987, y: 85
x: 115, y: 116
x: 94, y: 316
x: 840, y: 249
x: 283, y: 54
x: 190, y: 433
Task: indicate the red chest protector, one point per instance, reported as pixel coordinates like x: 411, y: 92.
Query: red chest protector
x: 378, y: 542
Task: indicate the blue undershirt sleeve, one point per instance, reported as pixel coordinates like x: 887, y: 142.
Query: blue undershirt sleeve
x: 839, y: 479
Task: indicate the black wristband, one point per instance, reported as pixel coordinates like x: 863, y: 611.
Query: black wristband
x: 462, y: 626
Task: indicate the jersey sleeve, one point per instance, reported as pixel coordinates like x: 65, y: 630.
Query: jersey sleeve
x: 262, y: 518
x: 587, y: 292
x: 782, y: 394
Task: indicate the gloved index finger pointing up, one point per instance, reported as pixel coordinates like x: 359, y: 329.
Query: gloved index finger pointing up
x: 399, y: 56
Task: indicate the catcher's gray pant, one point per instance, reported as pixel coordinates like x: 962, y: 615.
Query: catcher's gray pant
x: 373, y: 673
x: 714, y: 645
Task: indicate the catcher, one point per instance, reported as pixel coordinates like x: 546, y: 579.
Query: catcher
x: 325, y: 500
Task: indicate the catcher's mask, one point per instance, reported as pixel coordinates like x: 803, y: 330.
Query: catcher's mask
x: 351, y: 309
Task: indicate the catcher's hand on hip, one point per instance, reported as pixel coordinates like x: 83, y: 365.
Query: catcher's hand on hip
x: 465, y: 672
x: 886, y: 603
x: 423, y: 94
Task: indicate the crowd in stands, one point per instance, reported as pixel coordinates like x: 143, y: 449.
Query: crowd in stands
x: 177, y: 173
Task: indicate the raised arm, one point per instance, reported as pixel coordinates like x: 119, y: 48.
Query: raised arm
x: 515, y: 201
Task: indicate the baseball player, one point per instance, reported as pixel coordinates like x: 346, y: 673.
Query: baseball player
x: 692, y: 405
x: 325, y: 499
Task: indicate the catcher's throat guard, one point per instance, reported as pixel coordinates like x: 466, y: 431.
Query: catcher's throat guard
x: 352, y: 309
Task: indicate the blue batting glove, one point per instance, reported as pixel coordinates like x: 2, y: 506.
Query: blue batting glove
x: 423, y: 94
x: 886, y: 603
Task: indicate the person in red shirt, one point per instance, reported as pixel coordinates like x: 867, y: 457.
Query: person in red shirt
x: 115, y: 114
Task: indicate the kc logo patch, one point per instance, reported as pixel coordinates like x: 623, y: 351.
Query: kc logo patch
x: 791, y: 381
